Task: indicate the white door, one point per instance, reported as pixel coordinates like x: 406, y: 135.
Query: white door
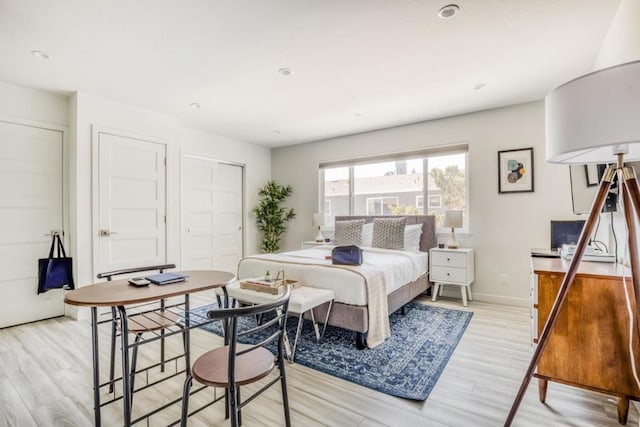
x: 30, y: 208
x: 212, y: 212
x: 131, y: 224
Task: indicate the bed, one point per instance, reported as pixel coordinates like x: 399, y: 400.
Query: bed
x: 353, y: 309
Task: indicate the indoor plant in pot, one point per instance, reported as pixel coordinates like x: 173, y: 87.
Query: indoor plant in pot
x: 271, y: 216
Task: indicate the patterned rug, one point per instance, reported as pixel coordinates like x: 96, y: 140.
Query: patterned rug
x: 407, y: 365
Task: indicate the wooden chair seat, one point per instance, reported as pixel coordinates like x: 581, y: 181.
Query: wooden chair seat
x: 235, y: 365
x: 138, y: 324
x: 211, y: 367
x: 152, y: 321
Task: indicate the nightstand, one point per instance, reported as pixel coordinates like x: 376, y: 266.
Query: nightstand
x: 312, y: 243
x: 451, y: 267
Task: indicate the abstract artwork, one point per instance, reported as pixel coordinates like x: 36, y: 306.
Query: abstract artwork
x: 515, y: 171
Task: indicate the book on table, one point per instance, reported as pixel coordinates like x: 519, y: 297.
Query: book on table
x: 165, y: 278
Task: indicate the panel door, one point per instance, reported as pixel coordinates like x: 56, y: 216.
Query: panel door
x: 212, y: 213
x: 30, y: 208
x: 131, y: 224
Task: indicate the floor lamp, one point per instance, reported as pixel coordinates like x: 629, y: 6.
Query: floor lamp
x: 594, y: 119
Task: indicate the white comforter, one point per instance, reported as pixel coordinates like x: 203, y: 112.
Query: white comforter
x: 309, y: 266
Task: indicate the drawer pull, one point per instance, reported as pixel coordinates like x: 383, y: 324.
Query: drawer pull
x: 448, y: 259
x: 448, y: 274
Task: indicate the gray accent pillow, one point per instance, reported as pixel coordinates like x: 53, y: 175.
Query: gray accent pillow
x: 348, y: 232
x: 388, y: 233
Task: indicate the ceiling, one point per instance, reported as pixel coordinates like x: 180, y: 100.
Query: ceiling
x: 356, y: 65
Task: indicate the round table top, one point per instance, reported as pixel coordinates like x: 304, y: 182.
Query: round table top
x: 120, y: 292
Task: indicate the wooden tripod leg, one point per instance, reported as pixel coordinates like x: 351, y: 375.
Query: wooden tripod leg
x: 631, y: 198
x: 589, y: 226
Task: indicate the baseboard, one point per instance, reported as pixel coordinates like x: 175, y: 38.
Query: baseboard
x: 494, y: 299
x: 77, y: 313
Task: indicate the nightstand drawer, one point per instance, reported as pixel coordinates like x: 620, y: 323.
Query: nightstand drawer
x: 448, y: 274
x: 452, y: 259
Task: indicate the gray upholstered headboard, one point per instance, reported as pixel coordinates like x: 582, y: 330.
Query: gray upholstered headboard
x: 427, y: 240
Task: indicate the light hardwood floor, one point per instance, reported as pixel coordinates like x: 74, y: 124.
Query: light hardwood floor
x: 45, y: 380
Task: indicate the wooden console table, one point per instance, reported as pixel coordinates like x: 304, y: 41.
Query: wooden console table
x: 589, y: 345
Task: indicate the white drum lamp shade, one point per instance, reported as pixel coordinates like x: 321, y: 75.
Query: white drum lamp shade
x: 452, y: 220
x: 594, y: 117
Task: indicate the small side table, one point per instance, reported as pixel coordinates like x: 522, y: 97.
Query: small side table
x: 303, y: 299
x: 312, y: 243
x: 451, y: 267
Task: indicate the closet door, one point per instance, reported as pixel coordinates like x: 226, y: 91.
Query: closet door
x: 130, y: 227
x: 30, y: 208
x: 212, y: 212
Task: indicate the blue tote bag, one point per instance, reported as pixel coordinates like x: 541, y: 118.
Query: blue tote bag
x: 56, y: 271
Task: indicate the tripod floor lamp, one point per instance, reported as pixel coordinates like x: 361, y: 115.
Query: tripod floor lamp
x: 595, y: 119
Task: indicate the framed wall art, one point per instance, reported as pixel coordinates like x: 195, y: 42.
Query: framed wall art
x: 515, y: 171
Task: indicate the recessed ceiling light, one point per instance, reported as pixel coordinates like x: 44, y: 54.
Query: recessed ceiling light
x: 276, y: 131
x: 478, y: 86
x: 40, y: 54
x: 448, y: 11
x: 195, y: 105
x: 285, y: 71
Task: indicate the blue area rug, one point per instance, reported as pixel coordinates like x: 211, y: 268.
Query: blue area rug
x: 407, y: 365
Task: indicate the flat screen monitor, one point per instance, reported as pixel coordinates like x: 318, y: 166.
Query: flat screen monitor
x: 565, y: 232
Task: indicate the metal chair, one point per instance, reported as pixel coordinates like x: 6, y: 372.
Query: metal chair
x: 139, y: 323
x: 236, y: 364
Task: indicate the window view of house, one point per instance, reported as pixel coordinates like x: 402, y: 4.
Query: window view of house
x: 398, y: 187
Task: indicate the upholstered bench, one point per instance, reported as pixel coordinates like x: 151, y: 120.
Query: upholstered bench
x: 303, y: 299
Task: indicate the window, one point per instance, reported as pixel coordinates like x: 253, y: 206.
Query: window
x: 327, y: 207
x: 398, y: 184
x: 381, y: 205
x: 336, y: 190
x: 435, y: 201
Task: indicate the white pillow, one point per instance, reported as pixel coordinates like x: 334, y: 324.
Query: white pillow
x: 366, y: 238
x: 412, y: 234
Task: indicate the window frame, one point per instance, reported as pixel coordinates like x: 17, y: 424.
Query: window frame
x: 425, y: 154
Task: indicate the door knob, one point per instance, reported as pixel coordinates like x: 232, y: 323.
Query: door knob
x: 107, y: 233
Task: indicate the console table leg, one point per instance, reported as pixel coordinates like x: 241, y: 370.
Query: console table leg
x: 542, y: 389
x: 623, y: 409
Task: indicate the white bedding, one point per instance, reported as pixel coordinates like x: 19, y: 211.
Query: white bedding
x: 309, y: 266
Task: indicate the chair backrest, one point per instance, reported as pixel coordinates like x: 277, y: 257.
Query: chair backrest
x: 241, y: 326
x: 110, y: 274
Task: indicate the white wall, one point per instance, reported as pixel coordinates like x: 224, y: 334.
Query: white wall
x: 503, y: 226
x: 23, y: 104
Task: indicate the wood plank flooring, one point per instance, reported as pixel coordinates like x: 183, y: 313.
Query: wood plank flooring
x: 45, y: 380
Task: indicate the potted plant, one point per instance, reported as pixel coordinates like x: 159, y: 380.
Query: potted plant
x: 271, y: 217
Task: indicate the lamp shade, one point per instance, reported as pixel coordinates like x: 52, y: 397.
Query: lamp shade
x: 318, y: 219
x: 453, y: 219
x: 594, y: 116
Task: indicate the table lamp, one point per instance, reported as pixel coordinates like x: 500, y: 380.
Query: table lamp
x: 594, y: 119
x: 318, y: 221
x: 453, y: 220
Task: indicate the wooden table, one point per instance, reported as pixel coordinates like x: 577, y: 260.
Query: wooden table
x: 589, y: 345
x: 119, y: 293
